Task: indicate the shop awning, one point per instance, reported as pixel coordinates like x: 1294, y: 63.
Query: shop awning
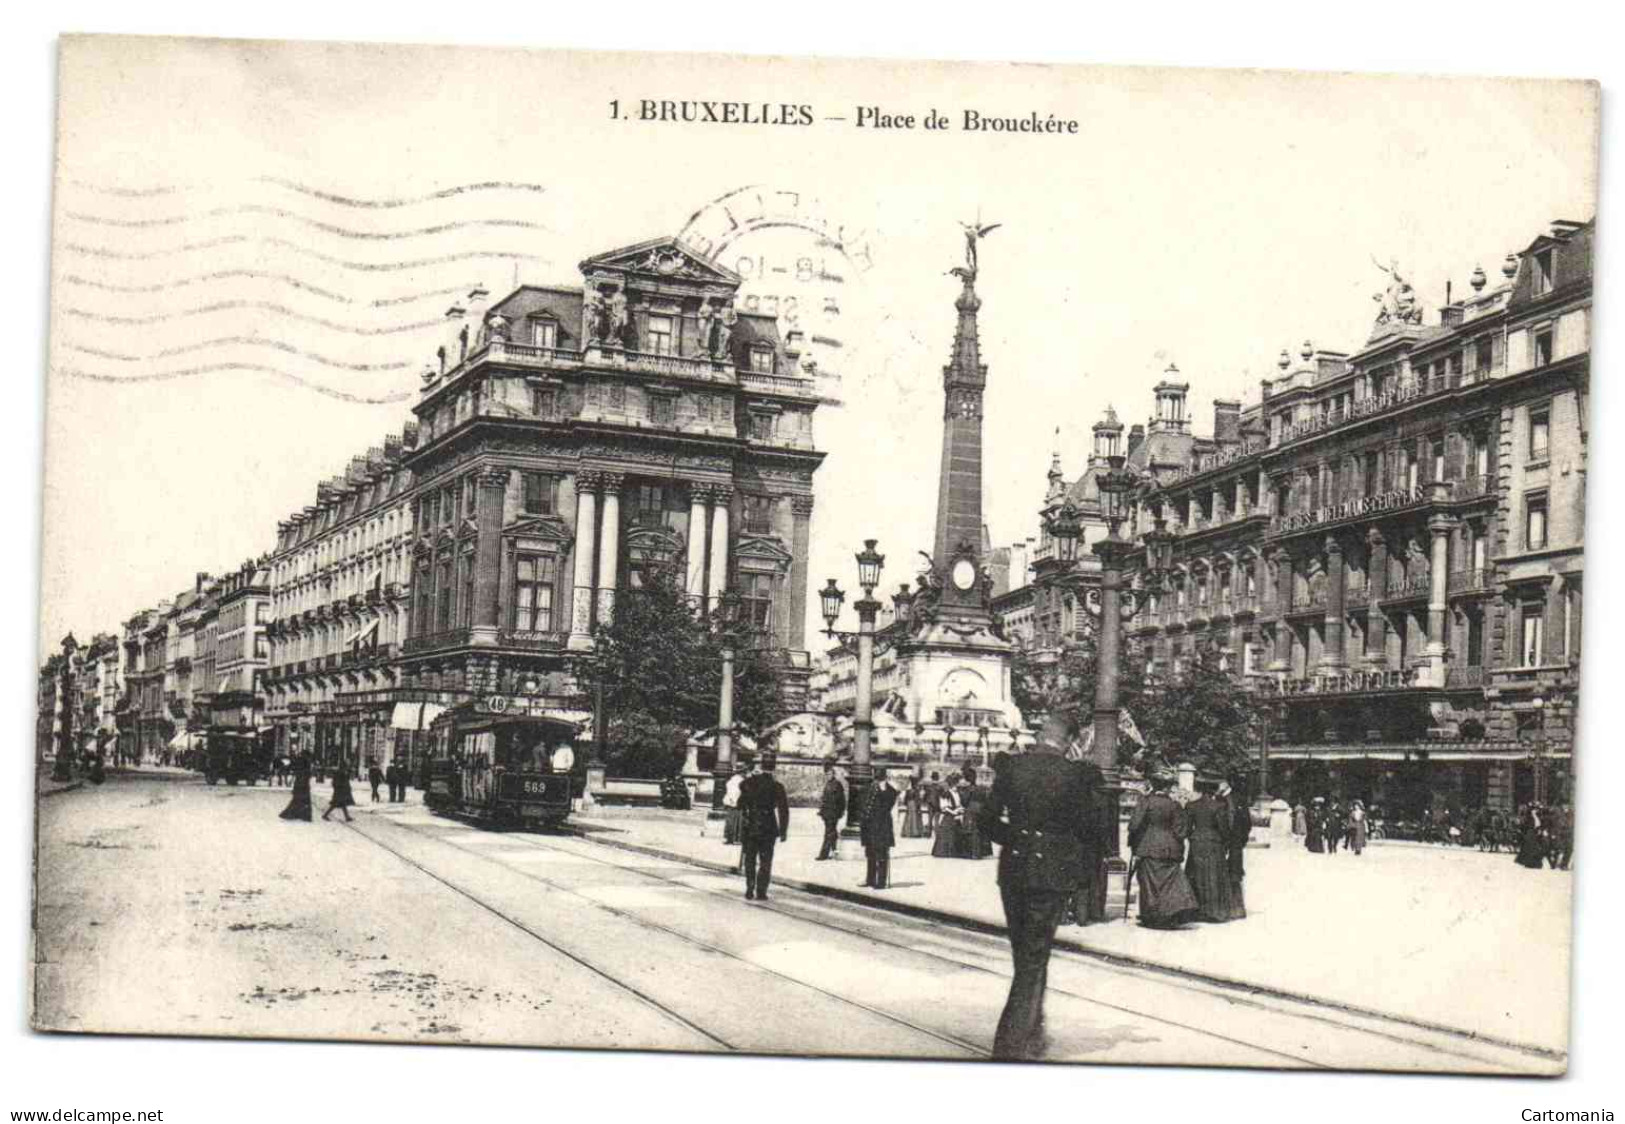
x: 431, y: 711
x: 407, y: 716
x: 182, y: 740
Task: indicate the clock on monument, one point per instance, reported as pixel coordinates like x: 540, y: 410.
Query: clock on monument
x: 964, y: 574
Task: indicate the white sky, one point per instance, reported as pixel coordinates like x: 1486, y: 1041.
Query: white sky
x: 1202, y: 217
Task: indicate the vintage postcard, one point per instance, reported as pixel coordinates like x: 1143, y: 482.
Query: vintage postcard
x: 813, y: 557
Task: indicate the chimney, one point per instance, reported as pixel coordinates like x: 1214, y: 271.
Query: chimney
x: 392, y: 448
x: 1136, y: 437
x: 409, y: 435
x: 1226, y: 420
x: 202, y: 577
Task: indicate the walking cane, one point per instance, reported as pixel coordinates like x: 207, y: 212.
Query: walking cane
x: 1128, y: 885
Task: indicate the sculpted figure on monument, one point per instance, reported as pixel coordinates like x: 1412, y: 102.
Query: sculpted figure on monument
x: 974, y: 232
x: 1397, y: 302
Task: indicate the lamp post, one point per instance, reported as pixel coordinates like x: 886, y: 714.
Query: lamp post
x: 1539, y: 703
x: 1112, y: 604
x: 722, y: 768
x: 831, y: 597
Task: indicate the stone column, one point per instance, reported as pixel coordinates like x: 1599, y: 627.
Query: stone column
x: 586, y: 531
x: 695, y: 587
x: 1376, y: 583
x: 801, y: 508
x: 722, y: 496
x: 1438, y: 593
x: 1280, y: 567
x: 1333, y: 653
x: 491, y: 487
x: 609, y: 547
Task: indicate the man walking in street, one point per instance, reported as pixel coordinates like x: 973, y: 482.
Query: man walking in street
x: 764, y: 820
x: 878, y: 837
x: 831, y: 807
x: 1038, y: 815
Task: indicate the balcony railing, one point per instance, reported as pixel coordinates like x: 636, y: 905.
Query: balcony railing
x: 532, y: 639
x: 449, y: 638
x: 1472, y: 487
x: 1367, y: 407
x: 1466, y: 676
x: 1471, y: 581
x: 1411, y: 585
x: 1396, y: 499
x: 1401, y: 749
x: 1342, y: 683
x: 778, y: 384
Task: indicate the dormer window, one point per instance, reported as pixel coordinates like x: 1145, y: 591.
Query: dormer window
x: 544, y: 332
x: 1543, y: 278
x: 761, y: 360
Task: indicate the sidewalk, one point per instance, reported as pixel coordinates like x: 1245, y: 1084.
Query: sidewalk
x: 1449, y: 938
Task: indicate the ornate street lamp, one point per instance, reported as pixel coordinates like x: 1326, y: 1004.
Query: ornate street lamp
x: 1112, y: 603
x: 728, y: 606
x: 861, y: 773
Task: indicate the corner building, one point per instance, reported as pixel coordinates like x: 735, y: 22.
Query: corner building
x: 572, y: 438
x: 1389, y: 545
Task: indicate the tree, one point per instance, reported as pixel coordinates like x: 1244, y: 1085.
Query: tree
x: 661, y: 664
x: 1203, y: 715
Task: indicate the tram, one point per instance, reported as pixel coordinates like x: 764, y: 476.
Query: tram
x: 502, y: 760
x: 235, y: 753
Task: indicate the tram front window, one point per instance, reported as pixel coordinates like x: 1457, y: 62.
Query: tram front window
x: 525, y: 749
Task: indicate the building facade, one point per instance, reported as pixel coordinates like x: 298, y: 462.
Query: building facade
x: 1388, y: 546
x: 332, y: 612
x: 239, y: 647
x: 572, y: 439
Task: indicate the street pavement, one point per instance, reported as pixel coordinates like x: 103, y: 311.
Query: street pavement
x: 1446, y: 936
x: 170, y: 907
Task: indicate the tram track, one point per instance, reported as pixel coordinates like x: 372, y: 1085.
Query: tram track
x: 641, y: 996
x: 823, y: 923
x: 970, y: 1048
x: 1402, y: 1037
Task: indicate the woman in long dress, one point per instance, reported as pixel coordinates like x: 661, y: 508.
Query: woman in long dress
x: 972, y: 844
x: 1206, y: 864
x: 1532, y: 839
x: 1300, y: 821
x: 1357, y: 827
x: 1241, y: 830
x: 343, y: 797
x: 1157, y: 834
x: 1315, y: 837
x: 946, y: 845
x: 299, y: 807
x: 913, y: 821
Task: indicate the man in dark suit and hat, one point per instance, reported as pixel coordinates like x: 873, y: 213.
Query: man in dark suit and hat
x: 764, y: 820
x: 1038, y: 814
x: 831, y: 807
x: 878, y: 836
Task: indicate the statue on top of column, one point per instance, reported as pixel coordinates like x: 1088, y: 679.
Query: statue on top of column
x: 974, y: 232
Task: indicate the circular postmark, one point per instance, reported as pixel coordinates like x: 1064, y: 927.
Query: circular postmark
x: 794, y: 261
